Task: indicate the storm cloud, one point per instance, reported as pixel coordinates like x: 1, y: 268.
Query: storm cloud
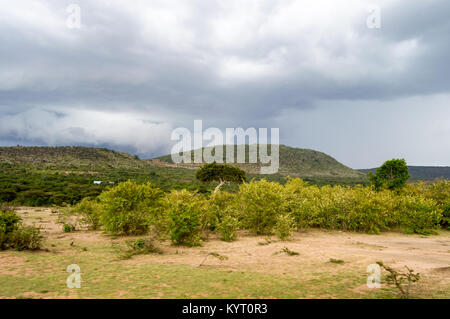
x: 135, y: 70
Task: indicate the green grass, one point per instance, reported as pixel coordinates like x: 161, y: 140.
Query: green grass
x: 105, y: 275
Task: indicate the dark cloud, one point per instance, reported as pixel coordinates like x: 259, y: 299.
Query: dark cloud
x: 232, y: 63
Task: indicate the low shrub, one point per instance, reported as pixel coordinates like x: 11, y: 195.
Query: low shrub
x: 445, y: 222
x: 9, y: 221
x: 129, y: 208
x: 141, y: 246
x: 419, y: 215
x: 285, y: 225
x: 16, y: 236
x: 184, y: 211
x: 68, y: 228
x: 227, y: 228
x: 219, y: 205
x: 26, y: 238
x: 260, y: 202
x: 89, y: 212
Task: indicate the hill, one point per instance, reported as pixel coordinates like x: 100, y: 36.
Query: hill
x: 426, y: 173
x: 294, y: 162
x: 37, y: 176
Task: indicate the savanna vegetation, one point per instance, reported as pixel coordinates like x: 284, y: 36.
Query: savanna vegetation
x: 59, y: 176
x: 265, y: 208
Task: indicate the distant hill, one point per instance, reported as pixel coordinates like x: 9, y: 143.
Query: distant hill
x: 69, y: 157
x: 425, y: 173
x: 37, y: 176
x: 294, y: 162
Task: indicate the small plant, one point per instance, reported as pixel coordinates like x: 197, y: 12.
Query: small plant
x: 336, y: 261
x: 141, y: 246
x: 213, y: 254
x: 68, y: 228
x: 288, y: 252
x: 266, y: 242
x: 400, y: 280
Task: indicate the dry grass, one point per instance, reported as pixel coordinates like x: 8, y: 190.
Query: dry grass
x: 250, y: 270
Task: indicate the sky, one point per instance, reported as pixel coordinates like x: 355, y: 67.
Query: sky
x: 363, y: 81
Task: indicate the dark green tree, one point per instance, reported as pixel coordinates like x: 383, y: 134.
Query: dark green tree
x: 222, y: 173
x: 392, y: 175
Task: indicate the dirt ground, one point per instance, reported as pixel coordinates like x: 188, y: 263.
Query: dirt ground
x: 429, y: 255
x: 422, y: 253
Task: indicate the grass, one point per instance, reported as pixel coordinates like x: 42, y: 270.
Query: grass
x: 104, y: 274
x: 45, y: 276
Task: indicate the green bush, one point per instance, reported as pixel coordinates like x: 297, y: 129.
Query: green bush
x: 14, y: 235
x: 284, y: 226
x: 220, y: 205
x: 227, y: 228
x: 89, y: 212
x: 445, y: 222
x: 9, y: 221
x: 68, y: 228
x: 260, y: 203
x: 184, y: 211
x: 26, y: 238
x: 419, y: 215
x: 129, y: 208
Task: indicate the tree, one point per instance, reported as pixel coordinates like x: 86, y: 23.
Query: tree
x: 392, y: 175
x: 222, y: 173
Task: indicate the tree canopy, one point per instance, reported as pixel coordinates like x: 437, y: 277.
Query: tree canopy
x: 392, y: 174
x: 222, y: 173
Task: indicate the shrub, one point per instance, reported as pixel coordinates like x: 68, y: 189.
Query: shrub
x: 220, y: 205
x: 400, y: 280
x: 285, y: 225
x: 129, y: 208
x: 184, y: 211
x: 89, y: 212
x: 419, y: 215
x: 369, y: 211
x: 260, y: 203
x: 141, y: 246
x: 9, y: 221
x: 25, y: 238
x: 68, y: 228
x: 303, y: 203
x: 445, y: 222
x: 228, y: 227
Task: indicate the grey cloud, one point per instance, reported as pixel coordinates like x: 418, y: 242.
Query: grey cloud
x: 168, y: 63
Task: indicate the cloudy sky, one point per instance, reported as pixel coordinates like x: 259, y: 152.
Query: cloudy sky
x: 323, y: 71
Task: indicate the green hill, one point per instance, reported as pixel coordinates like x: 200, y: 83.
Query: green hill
x: 294, y: 162
x: 37, y: 176
x: 424, y: 173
